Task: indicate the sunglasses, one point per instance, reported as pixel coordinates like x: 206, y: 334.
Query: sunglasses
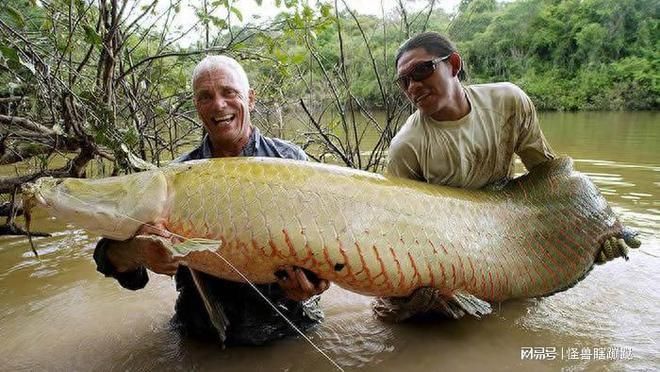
x: 420, y: 72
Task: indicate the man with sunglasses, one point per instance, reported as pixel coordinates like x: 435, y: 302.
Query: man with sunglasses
x: 461, y: 136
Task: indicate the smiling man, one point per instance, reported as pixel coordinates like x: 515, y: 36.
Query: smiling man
x: 223, y: 100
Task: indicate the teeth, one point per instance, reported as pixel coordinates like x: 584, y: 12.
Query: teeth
x: 223, y: 118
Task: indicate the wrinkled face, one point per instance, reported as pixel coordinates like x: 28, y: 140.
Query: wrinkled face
x: 223, y: 105
x: 432, y: 94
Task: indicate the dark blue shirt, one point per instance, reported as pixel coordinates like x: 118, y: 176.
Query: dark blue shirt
x: 258, y: 145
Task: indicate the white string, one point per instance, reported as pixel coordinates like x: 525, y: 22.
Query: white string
x: 233, y: 268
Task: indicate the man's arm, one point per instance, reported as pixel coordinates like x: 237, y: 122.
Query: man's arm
x: 128, y: 260
x: 403, y: 161
x: 532, y: 147
x: 133, y: 279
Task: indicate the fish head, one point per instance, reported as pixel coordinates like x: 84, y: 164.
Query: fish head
x: 114, y: 207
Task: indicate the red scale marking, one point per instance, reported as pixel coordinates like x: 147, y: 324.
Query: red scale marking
x: 349, y: 270
x: 473, y: 280
x: 444, y: 276
x: 256, y: 247
x: 275, y: 250
x: 287, y: 239
x: 310, y: 255
x: 416, y: 271
x: 326, y: 255
x: 483, y: 284
x: 433, y: 247
x: 431, y: 276
x: 398, y: 267
x: 382, y: 268
x: 499, y: 283
x: 364, y: 264
x: 460, y: 261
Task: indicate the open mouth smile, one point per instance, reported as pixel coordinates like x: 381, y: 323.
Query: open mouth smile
x: 223, y: 119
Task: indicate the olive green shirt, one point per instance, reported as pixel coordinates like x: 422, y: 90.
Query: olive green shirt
x: 475, y: 150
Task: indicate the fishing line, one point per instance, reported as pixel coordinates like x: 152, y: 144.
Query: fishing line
x: 248, y: 281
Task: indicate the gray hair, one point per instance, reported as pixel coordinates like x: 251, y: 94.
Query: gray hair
x: 221, y: 61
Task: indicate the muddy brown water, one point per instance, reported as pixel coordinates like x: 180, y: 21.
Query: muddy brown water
x: 58, y: 313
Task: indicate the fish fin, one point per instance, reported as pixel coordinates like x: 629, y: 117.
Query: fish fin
x: 214, y: 308
x: 471, y: 304
x: 195, y: 245
x: 428, y: 301
x: 498, y: 185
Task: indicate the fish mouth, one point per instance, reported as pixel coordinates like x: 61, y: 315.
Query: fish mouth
x: 33, y: 192
x: 32, y: 196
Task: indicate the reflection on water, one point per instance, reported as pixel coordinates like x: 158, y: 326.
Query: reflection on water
x: 56, y: 312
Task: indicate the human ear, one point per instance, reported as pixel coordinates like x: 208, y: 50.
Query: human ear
x: 251, y: 99
x: 456, y: 63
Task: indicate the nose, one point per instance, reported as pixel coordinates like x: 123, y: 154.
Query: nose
x: 220, y: 102
x: 413, y: 86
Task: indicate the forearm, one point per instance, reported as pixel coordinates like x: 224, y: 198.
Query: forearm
x: 132, y: 279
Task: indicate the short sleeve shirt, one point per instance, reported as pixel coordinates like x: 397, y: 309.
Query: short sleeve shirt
x: 475, y: 150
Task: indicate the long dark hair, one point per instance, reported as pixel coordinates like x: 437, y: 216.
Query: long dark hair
x: 435, y: 44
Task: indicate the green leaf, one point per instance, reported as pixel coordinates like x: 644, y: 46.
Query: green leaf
x: 9, y: 53
x: 80, y: 6
x: 218, y: 22
x: 237, y: 12
x: 258, y: 2
x: 91, y: 36
x: 15, y: 15
x: 298, y: 58
x: 326, y: 10
x: 47, y: 24
x: 307, y: 12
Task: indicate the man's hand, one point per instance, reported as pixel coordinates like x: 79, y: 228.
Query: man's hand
x: 136, y: 252
x: 298, y: 287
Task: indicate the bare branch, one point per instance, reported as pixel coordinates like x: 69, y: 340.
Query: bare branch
x: 26, y: 124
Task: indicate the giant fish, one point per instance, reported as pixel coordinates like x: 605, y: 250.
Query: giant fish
x: 245, y: 218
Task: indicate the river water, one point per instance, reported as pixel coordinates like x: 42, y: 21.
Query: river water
x: 58, y: 313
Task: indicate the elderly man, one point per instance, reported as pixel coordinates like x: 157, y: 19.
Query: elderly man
x: 223, y: 100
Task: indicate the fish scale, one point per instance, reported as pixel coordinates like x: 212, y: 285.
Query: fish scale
x: 368, y: 233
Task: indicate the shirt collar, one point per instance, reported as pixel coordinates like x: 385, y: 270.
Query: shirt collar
x: 250, y: 148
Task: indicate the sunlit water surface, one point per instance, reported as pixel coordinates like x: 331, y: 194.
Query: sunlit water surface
x: 58, y: 313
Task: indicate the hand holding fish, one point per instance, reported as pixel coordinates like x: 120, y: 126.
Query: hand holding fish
x: 152, y: 255
x: 298, y: 286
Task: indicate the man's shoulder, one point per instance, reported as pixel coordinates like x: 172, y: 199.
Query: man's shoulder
x: 503, y: 97
x: 501, y: 89
x: 191, y: 155
x: 408, y: 138
x: 409, y: 130
x: 290, y: 149
x: 277, y: 147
